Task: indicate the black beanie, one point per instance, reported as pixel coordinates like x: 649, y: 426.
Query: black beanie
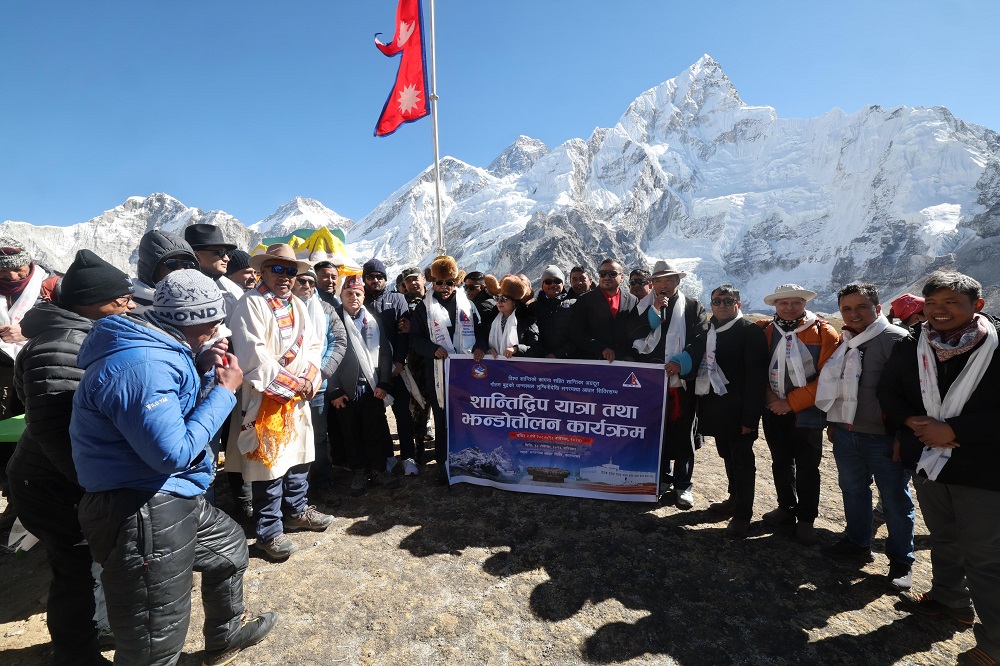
x: 90, y: 280
x: 238, y: 260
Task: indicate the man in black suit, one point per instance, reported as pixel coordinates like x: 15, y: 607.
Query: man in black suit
x: 600, y: 320
x: 669, y: 328
x: 730, y: 386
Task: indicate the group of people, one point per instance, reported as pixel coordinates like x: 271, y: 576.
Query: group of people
x: 277, y: 370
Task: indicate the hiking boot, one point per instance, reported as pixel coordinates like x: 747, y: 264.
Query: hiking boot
x: 685, y: 499
x: 385, y: 479
x: 779, y: 517
x: 325, y: 493
x: 252, y: 631
x: 976, y: 657
x: 723, y: 508
x: 847, y: 550
x: 805, y: 533
x: 410, y: 467
x: 359, y: 484
x: 278, y: 549
x: 310, y: 519
x: 926, y: 605
x: 738, y: 528
x: 900, y: 575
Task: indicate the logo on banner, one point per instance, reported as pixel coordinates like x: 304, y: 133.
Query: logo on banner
x: 632, y: 382
x: 479, y: 371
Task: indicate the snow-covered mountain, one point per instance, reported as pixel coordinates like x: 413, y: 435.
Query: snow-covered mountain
x: 690, y: 173
x: 731, y: 192
x: 115, y: 233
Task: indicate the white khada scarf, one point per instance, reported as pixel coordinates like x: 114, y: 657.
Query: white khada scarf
x: 933, y: 460
x: 837, y: 387
x: 791, y: 356
x: 25, y: 301
x: 710, y: 375
x: 367, y: 347
x: 676, y: 333
x: 461, y: 341
x: 503, y: 335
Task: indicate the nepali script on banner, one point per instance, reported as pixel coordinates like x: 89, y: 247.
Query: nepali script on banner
x: 576, y: 428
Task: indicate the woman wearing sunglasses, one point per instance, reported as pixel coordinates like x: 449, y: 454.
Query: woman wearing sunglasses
x: 513, y: 331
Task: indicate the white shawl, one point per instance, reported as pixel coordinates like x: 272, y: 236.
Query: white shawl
x: 933, y: 460
x: 367, y: 348
x: 791, y: 357
x: 502, y: 337
x: 710, y: 375
x: 25, y: 301
x: 676, y: 333
x: 317, y: 319
x: 837, y: 387
x: 462, y: 340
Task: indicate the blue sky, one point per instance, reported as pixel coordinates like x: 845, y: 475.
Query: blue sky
x: 241, y: 106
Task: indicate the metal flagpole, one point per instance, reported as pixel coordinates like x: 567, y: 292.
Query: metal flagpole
x: 434, y: 128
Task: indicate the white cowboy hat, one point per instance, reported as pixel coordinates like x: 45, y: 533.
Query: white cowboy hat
x: 789, y: 291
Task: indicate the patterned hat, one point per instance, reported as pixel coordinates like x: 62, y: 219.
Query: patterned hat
x: 13, y: 254
x: 188, y: 298
x: 353, y: 282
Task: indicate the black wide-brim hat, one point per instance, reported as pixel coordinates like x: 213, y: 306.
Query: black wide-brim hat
x: 200, y: 236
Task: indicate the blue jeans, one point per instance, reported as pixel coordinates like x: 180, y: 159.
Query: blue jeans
x: 284, y: 496
x: 861, y: 456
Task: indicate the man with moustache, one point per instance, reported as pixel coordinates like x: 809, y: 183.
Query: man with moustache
x: 939, y: 392
x: 580, y: 282
x: 600, y: 319
x: 800, y: 344
x: 639, y: 284
x: 670, y: 329
x: 213, y: 252
x: 730, y: 388
x: 862, y: 448
x: 327, y: 275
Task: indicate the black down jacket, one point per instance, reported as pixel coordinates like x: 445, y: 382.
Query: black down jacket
x: 46, y: 377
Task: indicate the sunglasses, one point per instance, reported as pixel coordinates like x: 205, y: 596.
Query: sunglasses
x: 636, y: 283
x: 442, y: 283
x: 728, y: 302
x: 375, y: 277
x: 551, y: 281
x: 305, y: 282
x: 290, y: 271
x: 610, y: 274
x: 11, y: 251
x: 219, y: 253
x: 179, y: 264
x: 504, y: 299
x: 474, y: 287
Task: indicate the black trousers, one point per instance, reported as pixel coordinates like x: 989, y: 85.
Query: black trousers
x: 47, y: 507
x: 741, y: 470
x: 366, y: 432
x: 404, y: 420
x: 149, y: 545
x: 678, y: 446
x: 795, y: 457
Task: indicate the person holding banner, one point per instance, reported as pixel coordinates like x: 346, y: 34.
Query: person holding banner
x: 552, y: 309
x: 512, y: 329
x: 861, y: 447
x: 939, y: 392
x: 730, y: 389
x: 670, y: 329
x: 444, y: 322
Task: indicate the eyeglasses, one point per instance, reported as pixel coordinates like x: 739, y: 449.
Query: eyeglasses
x: 290, y: 271
x: 11, y: 251
x: 637, y: 282
x: 306, y: 282
x: 122, y: 301
x: 219, y: 253
x: 504, y: 299
x: 375, y: 277
x: 179, y: 264
x: 551, y: 281
x: 728, y: 302
x: 610, y: 274
x: 442, y: 283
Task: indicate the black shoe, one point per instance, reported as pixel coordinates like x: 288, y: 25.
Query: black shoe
x: 779, y: 517
x: 724, y: 508
x: 738, y: 528
x: 252, y: 631
x: 359, y: 485
x: 927, y: 605
x: 847, y: 550
x: 805, y: 533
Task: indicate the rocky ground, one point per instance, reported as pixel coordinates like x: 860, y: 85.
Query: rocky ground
x: 473, y: 575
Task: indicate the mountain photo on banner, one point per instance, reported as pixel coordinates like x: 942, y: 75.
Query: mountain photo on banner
x: 408, y: 100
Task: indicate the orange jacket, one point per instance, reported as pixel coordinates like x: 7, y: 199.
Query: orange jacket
x: 821, y: 335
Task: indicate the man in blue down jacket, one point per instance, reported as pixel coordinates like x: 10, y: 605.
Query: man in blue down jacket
x: 143, y: 416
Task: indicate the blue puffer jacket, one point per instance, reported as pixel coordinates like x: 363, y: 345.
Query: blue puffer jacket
x: 137, y: 422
